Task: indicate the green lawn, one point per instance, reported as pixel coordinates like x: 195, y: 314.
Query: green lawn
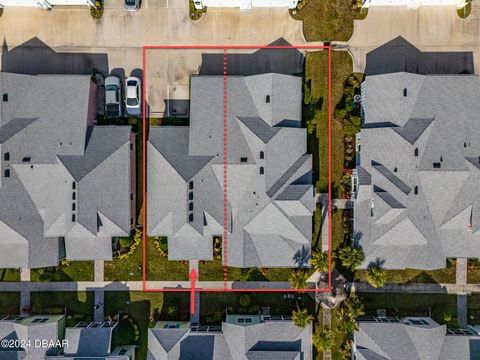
x: 141, y: 306
x: 213, y: 306
x: 75, y: 271
x: 446, y: 275
x: 316, y: 70
x: 9, y: 275
x: 326, y: 20
x: 77, y: 305
x: 9, y: 303
x: 412, y: 305
x: 213, y: 270
x: 158, y: 267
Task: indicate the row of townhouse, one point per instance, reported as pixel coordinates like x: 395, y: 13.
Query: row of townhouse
x: 67, y: 186
x: 46, y: 337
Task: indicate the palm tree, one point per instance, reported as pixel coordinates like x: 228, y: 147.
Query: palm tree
x: 301, y: 317
x: 353, y: 308
x: 323, y: 339
x: 376, y: 276
x: 320, y: 260
x: 351, y: 257
x: 298, y: 280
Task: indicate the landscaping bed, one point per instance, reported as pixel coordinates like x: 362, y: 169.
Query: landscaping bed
x: 440, y: 306
x: 473, y: 274
x: 137, y: 311
x: 66, y: 271
x: 78, y: 306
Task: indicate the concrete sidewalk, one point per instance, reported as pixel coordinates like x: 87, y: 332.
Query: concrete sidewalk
x: 418, y: 288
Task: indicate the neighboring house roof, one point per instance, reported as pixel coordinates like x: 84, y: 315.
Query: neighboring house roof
x: 419, y: 166
x: 404, y: 340
x: 51, y: 153
x: 263, y: 340
x: 269, y: 174
x: 27, y: 330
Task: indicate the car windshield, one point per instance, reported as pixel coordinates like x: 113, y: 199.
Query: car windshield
x: 111, y: 88
x: 131, y: 83
x: 112, y: 110
x: 132, y: 102
x: 130, y: 2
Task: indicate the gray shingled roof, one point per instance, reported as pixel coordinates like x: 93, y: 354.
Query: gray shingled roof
x: 405, y: 341
x: 267, y: 340
x: 26, y: 330
x: 46, y: 146
x: 269, y: 214
x: 418, y: 170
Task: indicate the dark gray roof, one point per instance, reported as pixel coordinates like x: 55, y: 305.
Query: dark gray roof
x: 270, y: 191
x: 259, y: 127
x: 423, y: 154
x: 13, y: 127
x: 51, y: 149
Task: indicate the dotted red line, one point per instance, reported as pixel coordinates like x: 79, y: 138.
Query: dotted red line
x: 225, y: 158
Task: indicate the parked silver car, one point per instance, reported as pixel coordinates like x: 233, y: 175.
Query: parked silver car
x: 133, y: 96
x: 113, y: 102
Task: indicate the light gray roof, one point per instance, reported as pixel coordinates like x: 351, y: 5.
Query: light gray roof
x: 267, y: 340
x: 419, y: 166
x: 269, y: 214
x: 48, y: 148
x: 27, y: 330
x: 405, y: 341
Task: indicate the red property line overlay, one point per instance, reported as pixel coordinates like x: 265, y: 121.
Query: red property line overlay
x: 144, y: 167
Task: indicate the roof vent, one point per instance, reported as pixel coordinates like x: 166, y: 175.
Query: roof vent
x: 437, y: 165
x: 5, y: 97
x: 190, y: 218
x: 243, y: 159
x: 6, y: 156
x: 415, y: 190
x: 416, y: 151
x: 405, y: 92
x: 441, y: 158
x: 7, y: 173
x: 395, y: 170
x: 267, y: 99
x: 26, y: 159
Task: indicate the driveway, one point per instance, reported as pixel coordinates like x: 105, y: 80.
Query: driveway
x: 442, y: 39
x: 69, y: 40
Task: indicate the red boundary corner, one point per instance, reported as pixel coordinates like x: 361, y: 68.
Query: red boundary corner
x: 144, y: 172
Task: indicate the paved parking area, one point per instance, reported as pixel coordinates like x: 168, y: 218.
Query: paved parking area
x: 431, y: 29
x: 69, y: 40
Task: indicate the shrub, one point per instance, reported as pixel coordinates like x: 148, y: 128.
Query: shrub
x: 245, y: 300
x: 161, y: 244
x: 171, y: 310
x: 341, y: 113
x: 352, y: 126
x: 137, y: 238
x: 125, y: 242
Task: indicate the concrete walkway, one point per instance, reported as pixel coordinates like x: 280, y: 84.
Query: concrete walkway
x: 24, y: 274
x: 98, y: 314
x: 418, y: 288
x: 99, y: 269
x: 327, y: 324
x: 24, y: 301
x: 462, y: 300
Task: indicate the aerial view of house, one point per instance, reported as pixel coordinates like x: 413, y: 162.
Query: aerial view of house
x: 418, y: 166
x: 271, y: 196
x: 239, y: 180
x: 47, y: 337
x: 251, y: 337
x: 413, y: 338
x: 65, y: 187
